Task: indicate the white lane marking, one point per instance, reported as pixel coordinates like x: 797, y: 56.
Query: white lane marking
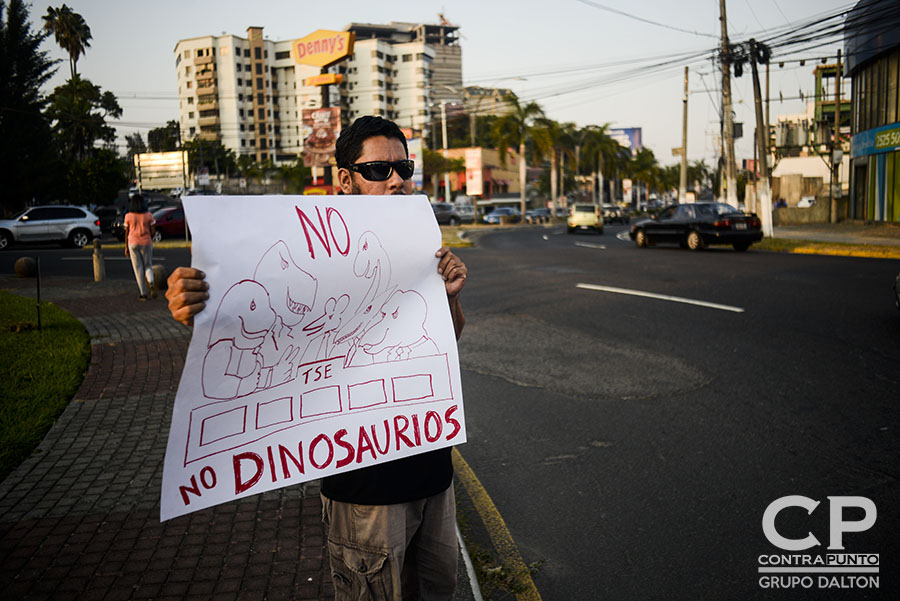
x: 107, y: 258
x: 623, y: 236
x: 590, y: 245
x: 676, y: 299
x: 545, y: 237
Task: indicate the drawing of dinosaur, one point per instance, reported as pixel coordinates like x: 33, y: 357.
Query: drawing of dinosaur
x: 322, y: 329
x: 371, y: 262
x: 293, y: 294
x: 231, y: 366
x: 399, y: 330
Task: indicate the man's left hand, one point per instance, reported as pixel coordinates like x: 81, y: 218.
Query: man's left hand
x: 452, y: 270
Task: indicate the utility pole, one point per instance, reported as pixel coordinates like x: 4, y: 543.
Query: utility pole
x: 837, y: 154
x: 444, y: 141
x: 763, y: 193
x: 730, y: 176
x: 682, y: 185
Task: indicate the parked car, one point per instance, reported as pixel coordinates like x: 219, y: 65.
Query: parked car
x: 169, y: 223
x: 52, y: 223
x: 697, y: 225
x: 541, y: 215
x: 503, y: 215
x: 108, y: 216
x: 445, y: 213
x: 466, y: 213
x: 584, y: 217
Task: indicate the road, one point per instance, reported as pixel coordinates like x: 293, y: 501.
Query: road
x: 632, y: 444
x: 60, y: 261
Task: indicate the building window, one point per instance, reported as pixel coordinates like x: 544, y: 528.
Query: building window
x: 261, y: 114
x: 257, y: 53
x: 243, y: 142
x: 407, y: 58
x: 252, y: 127
x: 259, y: 83
x: 282, y: 55
x: 237, y: 67
x: 241, y: 114
x: 247, y: 54
x: 260, y: 99
x: 189, y: 84
x: 190, y: 115
x: 240, y: 81
x: 187, y: 54
x: 190, y: 100
x: 252, y: 142
x: 193, y: 131
x: 259, y: 68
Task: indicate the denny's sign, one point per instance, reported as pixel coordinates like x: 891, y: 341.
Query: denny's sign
x: 323, y: 47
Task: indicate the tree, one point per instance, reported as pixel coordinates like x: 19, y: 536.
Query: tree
x: 556, y: 140
x: 26, y: 158
x: 643, y: 169
x: 600, y: 152
x: 213, y: 155
x: 78, y: 111
x: 164, y: 139
x: 96, y: 179
x: 515, y: 128
x: 135, y: 144
x: 70, y: 31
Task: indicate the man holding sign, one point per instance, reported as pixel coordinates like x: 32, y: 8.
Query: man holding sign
x: 390, y: 526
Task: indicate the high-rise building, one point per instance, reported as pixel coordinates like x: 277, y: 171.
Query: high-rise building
x: 249, y: 92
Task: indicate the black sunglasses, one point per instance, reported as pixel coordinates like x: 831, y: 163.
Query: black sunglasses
x: 379, y: 171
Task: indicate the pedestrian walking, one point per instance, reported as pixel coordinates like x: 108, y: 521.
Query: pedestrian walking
x: 139, y: 229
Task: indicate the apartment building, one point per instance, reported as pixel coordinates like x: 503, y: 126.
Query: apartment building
x: 249, y: 93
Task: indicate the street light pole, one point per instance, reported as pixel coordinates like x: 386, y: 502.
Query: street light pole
x: 444, y: 143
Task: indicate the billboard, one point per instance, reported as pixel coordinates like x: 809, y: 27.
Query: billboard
x: 321, y: 127
x: 474, y: 184
x: 415, y: 153
x: 161, y: 170
x: 629, y: 137
x: 323, y: 47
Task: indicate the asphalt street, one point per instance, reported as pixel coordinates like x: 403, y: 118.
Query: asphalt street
x: 633, y: 444
x: 633, y: 412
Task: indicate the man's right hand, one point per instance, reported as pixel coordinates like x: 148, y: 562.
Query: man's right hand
x: 186, y: 294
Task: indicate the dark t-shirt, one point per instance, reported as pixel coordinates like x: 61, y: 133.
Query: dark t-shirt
x: 398, y: 481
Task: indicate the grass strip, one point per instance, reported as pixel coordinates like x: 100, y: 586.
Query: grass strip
x: 40, y: 372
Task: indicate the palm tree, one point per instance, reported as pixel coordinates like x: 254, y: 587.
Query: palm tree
x: 71, y: 32
x: 600, y: 151
x: 516, y: 127
x: 553, y: 139
x: 643, y: 168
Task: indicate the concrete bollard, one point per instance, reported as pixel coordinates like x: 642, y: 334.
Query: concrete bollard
x: 160, y: 275
x: 25, y: 267
x: 99, y: 264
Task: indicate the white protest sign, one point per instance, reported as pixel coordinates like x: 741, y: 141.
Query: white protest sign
x: 326, y: 345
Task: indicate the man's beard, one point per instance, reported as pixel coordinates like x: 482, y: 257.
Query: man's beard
x: 354, y: 189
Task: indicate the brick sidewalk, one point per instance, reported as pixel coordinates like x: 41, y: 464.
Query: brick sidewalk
x: 79, y: 519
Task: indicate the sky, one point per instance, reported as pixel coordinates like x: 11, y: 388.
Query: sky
x: 577, y: 58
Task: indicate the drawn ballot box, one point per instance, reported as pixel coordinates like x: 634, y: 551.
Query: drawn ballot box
x: 321, y: 391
